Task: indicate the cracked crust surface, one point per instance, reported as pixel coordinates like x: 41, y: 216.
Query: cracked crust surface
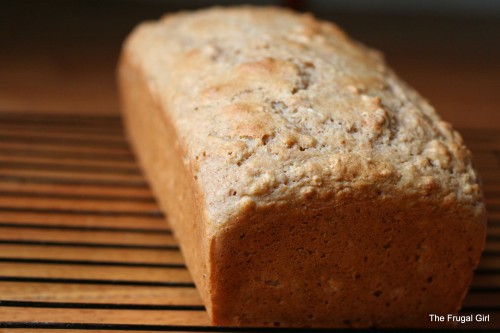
x: 274, y: 110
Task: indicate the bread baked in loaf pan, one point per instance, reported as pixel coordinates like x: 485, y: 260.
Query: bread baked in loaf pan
x: 306, y: 183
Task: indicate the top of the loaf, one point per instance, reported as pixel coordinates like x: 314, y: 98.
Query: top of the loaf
x: 274, y: 106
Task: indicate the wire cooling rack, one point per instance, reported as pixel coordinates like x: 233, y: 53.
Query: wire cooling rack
x: 83, y: 245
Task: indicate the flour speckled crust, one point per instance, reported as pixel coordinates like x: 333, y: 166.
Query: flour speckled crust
x: 307, y: 184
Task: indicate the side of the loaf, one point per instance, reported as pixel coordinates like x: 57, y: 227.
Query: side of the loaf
x: 307, y: 185
x: 156, y: 146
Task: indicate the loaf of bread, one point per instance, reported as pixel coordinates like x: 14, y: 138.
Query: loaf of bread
x: 306, y: 183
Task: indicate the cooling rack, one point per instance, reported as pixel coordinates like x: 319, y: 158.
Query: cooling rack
x: 84, y: 246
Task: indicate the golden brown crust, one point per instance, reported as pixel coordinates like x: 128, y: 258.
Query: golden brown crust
x: 265, y: 110
x: 154, y: 139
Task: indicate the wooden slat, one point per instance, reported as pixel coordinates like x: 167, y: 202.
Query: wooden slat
x: 65, y: 153
x: 493, y: 243
x: 490, y: 263
x: 29, y: 159
x: 494, y: 234
x: 82, y: 175
x: 82, y: 220
x: 57, y: 133
x: 62, y: 120
x: 495, y: 215
x: 76, y: 142
x: 68, y: 329
x: 76, y: 211
x: 62, y: 203
x: 490, y: 175
x: 22, y: 127
x: 88, y: 253
x: 482, y: 300
x: 62, y: 147
x: 483, y: 146
x: 95, y: 272
x: 492, y: 201
x: 105, y: 316
x: 72, y: 180
x: 70, y: 168
x: 82, y: 236
x: 487, y: 281
x: 98, y: 293
x: 83, y: 190
x: 489, y: 186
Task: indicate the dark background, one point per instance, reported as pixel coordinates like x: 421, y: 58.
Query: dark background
x: 60, y: 56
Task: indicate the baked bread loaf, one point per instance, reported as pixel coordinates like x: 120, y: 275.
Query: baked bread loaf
x: 306, y: 183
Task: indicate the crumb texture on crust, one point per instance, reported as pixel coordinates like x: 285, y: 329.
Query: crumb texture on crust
x: 273, y: 106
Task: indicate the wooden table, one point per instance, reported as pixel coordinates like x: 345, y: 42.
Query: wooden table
x: 83, y: 245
